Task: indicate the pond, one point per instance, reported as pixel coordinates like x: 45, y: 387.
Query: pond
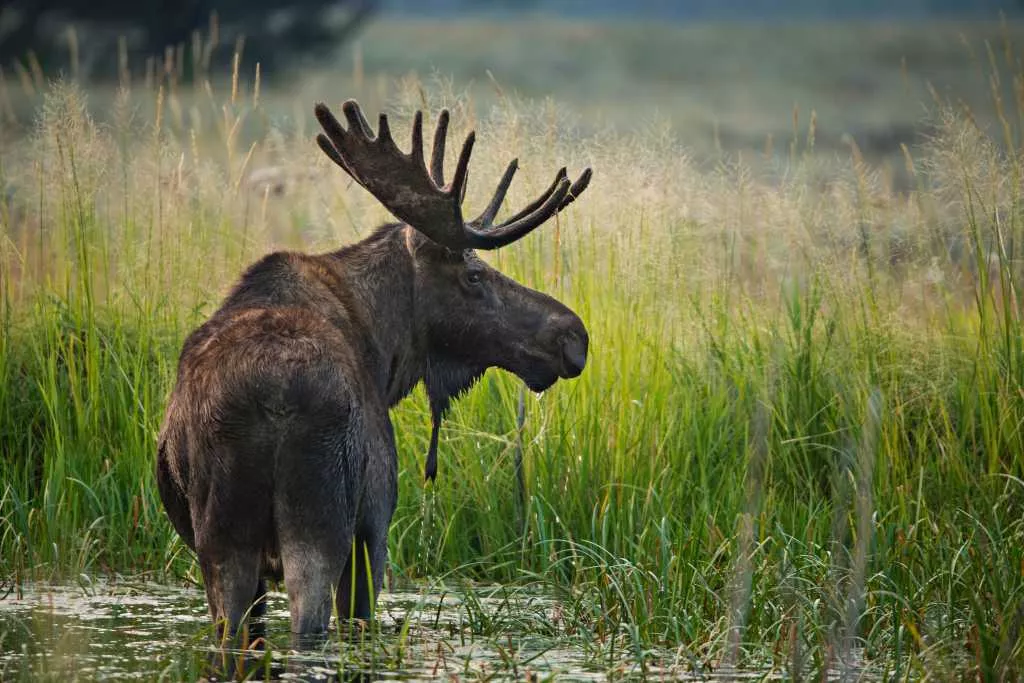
x: 125, y: 629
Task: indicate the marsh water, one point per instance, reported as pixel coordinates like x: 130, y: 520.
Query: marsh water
x: 141, y: 630
x: 119, y: 630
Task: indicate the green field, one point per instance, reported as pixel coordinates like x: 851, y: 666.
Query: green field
x: 798, y: 436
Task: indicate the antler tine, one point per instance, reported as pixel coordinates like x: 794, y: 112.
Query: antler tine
x: 384, y: 132
x: 437, y: 156
x: 486, y: 219
x: 539, y: 201
x: 356, y: 119
x: 417, y: 141
x: 577, y: 188
x: 458, y: 188
x: 510, y: 231
x: 332, y: 137
x: 331, y: 152
x: 574, y: 191
x: 559, y: 195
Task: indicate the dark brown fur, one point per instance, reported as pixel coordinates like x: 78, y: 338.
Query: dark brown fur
x: 277, y: 450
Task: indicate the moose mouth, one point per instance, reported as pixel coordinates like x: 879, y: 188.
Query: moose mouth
x: 540, y: 382
x: 569, y: 364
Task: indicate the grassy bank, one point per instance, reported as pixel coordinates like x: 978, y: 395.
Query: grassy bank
x: 797, y: 443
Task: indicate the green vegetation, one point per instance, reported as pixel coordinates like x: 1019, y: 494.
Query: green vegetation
x: 722, y: 86
x: 799, y: 435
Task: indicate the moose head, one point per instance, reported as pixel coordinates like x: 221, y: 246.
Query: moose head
x: 475, y: 317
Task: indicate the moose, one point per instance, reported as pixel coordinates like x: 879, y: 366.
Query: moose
x: 276, y: 457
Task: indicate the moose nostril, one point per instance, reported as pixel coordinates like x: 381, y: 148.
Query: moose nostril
x: 574, y: 353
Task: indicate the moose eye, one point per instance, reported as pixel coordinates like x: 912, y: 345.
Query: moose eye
x: 473, y: 277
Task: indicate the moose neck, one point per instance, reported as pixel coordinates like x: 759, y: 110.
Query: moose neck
x: 380, y: 273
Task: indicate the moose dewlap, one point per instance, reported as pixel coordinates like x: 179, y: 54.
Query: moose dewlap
x: 277, y: 450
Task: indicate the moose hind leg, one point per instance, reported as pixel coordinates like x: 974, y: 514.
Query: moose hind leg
x: 318, y: 480
x: 232, y: 581
x: 313, y: 525
x: 363, y: 577
x: 358, y: 588
x: 309, y: 575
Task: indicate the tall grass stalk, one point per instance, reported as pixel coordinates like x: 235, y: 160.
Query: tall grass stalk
x: 690, y: 494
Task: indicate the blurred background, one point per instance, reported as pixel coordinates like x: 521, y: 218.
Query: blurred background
x: 724, y: 76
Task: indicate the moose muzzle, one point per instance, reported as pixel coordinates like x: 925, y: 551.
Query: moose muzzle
x: 574, y: 342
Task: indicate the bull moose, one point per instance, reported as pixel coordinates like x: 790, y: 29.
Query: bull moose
x: 276, y: 458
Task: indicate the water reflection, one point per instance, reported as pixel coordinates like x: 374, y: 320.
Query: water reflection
x: 135, y: 630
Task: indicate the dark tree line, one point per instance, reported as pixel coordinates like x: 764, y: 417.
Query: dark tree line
x: 275, y: 32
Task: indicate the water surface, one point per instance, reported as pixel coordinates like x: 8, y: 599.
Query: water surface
x: 135, y: 630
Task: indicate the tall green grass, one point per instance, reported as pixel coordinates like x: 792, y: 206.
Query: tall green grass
x: 797, y: 444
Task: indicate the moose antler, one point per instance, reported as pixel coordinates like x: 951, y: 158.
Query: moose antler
x: 402, y: 183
